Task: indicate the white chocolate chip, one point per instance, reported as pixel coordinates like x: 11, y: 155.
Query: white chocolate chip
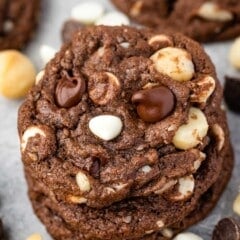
x: 17, y: 74
x: 234, y: 54
x: 29, y: 133
x: 83, y: 182
x: 236, y: 205
x: 106, y: 127
x: 167, y: 232
x: 220, y: 135
x: 113, y: 19
x: 39, y: 76
x: 191, y: 134
x: 160, y: 38
x: 211, y: 11
x: 87, y: 12
x: 35, y: 236
x: 187, y: 236
x: 175, y: 63
x: 160, y: 223
x: 125, y: 44
x: 77, y: 199
x: 8, y: 26
x: 127, y: 219
x: 202, y: 89
x: 136, y: 8
x: 103, y: 92
x: 46, y: 53
x: 146, y: 169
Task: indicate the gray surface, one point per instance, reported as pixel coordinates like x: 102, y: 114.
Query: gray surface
x: 15, y: 208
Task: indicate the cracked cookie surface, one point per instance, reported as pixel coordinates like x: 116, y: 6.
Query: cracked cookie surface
x: 125, y: 124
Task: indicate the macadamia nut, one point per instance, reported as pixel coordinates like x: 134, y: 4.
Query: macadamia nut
x: 35, y: 236
x: 236, y: 205
x: 191, y: 134
x: 234, y: 55
x: 17, y: 74
x: 212, y: 12
x: 175, y: 63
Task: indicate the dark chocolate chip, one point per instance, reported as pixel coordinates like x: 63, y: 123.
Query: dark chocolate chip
x: 70, y: 27
x: 69, y: 91
x: 154, y: 104
x: 227, y: 229
x: 95, y: 168
x: 232, y: 93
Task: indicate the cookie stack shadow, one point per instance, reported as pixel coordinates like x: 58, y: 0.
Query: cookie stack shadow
x: 124, y: 136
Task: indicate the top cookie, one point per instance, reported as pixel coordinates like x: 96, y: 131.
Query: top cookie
x: 203, y: 20
x: 18, y: 19
x: 126, y: 121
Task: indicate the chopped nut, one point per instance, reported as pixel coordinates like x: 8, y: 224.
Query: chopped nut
x: 191, y: 134
x: 160, y: 223
x: 39, y: 76
x: 220, y: 135
x: 17, y: 74
x: 77, y: 199
x: 83, y: 182
x: 185, y: 189
x: 161, y: 38
x: 202, y: 89
x: 104, y: 88
x: 29, y: 133
x: 211, y: 11
x: 35, y: 236
x: 236, y: 205
x: 175, y: 63
x: 136, y: 8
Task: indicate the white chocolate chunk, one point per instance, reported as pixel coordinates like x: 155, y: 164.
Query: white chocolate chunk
x: 29, y: 133
x: 175, y: 63
x: 106, y: 127
x: 87, y: 12
x: 212, y: 12
x: 203, y: 89
x: 234, y: 54
x: 146, y: 169
x: 35, y: 236
x: 46, y: 53
x: 83, y: 182
x: 39, y: 76
x: 113, y: 19
x: 236, y: 205
x: 191, y: 134
x: 8, y: 26
x: 187, y: 236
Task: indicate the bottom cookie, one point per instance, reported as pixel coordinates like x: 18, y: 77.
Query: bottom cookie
x: 60, y: 230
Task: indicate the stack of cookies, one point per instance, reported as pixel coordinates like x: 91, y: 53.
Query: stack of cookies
x: 124, y: 137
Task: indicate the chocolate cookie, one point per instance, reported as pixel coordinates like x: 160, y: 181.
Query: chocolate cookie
x: 18, y: 19
x: 203, y: 20
x: 53, y: 221
x: 125, y: 125
x: 227, y: 229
